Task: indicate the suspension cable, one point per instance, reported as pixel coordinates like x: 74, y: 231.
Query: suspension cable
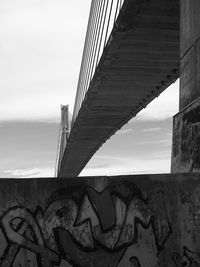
x: 103, y: 14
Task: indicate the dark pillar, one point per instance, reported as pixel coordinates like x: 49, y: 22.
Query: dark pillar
x: 186, y: 128
x: 63, y: 136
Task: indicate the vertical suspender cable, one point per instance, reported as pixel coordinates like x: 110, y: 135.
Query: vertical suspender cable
x: 86, y: 55
x: 105, y: 39
x: 85, y: 45
x: 101, y: 16
x: 116, y: 10
x: 100, y: 39
x: 92, y: 45
x: 102, y: 11
x: 87, y: 58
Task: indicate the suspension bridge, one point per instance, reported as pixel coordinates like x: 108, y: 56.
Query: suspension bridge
x: 131, y: 54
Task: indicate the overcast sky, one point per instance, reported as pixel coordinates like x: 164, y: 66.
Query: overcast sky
x: 40, y: 54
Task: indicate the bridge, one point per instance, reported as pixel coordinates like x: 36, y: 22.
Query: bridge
x: 141, y: 220
x: 131, y: 54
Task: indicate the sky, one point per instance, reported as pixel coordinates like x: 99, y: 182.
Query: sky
x: 41, y: 44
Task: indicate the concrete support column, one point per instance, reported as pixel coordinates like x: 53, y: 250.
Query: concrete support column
x: 189, y: 52
x: 186, y: 128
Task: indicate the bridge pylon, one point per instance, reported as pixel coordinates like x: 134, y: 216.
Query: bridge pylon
x: 186, y: 125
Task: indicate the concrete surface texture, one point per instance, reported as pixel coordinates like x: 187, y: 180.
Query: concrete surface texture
x: 186, y: 139
x: 186, y: 150
x: 146, y: 220
x: 190, y: 52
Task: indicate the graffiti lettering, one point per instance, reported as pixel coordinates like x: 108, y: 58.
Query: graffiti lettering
x: 187, y: 259
x: 82, y: 226
x: 16, y: 235
x: 134, y: 262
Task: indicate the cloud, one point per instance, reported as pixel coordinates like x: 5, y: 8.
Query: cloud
x: 127, y: 166
x: 165, y: 142
x: 155, y: 129
x: 31, y: 173
x: 124, y: 131
x: 166, y: 154
x: 40, y: 60
x: 163, y: 107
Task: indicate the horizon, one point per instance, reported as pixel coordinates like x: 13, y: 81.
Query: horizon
x: 40, y: 65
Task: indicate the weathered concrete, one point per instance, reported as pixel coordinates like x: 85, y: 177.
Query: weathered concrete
x: 190, y: 52
x: 141, y: 60
x: 146, y: 221
x: 186, y: 132
x: 186, y: 139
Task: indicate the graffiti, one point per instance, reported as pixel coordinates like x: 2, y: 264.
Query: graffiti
x: 134, y: 262
x: 16, y: 234
x: 85, y: 227
x: 161, y: 225
x: 191, y: 136
x: 187, y: 259
x: 186, y: 140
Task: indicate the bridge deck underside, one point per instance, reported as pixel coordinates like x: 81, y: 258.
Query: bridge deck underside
x: 141, y: 60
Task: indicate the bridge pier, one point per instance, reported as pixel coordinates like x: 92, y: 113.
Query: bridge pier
x: 186, y: 124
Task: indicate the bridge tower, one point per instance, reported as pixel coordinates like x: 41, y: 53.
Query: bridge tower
x: 186, y: 125
x: 63, y: 136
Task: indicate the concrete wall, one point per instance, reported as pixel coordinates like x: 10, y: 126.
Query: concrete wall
x: 147, y: 221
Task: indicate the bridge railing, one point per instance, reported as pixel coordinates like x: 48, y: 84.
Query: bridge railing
x: 102, y: 17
